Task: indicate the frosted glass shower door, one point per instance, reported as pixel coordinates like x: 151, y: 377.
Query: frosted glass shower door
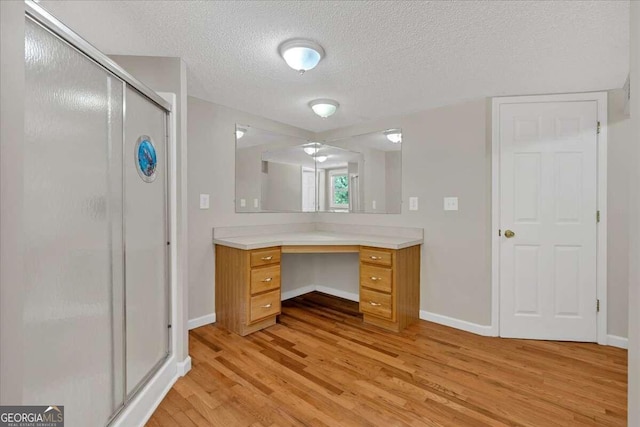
x: 72, y: 185
x: 146, y: 250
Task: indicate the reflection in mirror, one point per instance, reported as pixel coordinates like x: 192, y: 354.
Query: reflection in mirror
x: 337, y: 175
x: 273, y: 172
x: 289, y: 179
x: 367, y: 179
x: 280, y: 173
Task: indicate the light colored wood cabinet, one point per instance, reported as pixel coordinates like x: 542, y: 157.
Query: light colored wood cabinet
x: 376, y: 303
x: 247, y: 288
x: 390, y: 286
x: 265, y: 256
x: 376, y: 256
x: 378, y: 278
x: 265, y: 278
x: 264, y: 305
x: 248, y: 295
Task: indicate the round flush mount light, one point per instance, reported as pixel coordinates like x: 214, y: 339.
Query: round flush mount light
x: 394, y: 135
x: 240, y: 132
x: 301, y: 54
x: 324, y: 107
x: 320, y: 159
x: 312, y: 148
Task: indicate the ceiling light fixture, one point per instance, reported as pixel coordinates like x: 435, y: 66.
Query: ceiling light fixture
x: 301, y: 55
x: 320, y: 159
x: 312, y: 148
x: 240, y: 132
x: 394, y: 135
x: 324, y: 107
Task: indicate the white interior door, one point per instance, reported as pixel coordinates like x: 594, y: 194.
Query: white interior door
x: 308, y: 190
x: 548, y: 200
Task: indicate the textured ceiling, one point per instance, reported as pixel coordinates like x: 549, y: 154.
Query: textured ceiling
x: 382, y: 58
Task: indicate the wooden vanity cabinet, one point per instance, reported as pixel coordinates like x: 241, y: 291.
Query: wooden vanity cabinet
x: 247, y: 288
x: 390, y: 286
x: 248, y: 294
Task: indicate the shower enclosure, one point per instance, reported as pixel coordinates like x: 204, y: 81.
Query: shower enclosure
x: 95, y: 201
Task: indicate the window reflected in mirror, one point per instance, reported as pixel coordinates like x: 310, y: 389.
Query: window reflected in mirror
x: 282, y: 173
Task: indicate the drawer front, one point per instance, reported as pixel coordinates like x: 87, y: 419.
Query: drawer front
x: 265, y: 256
x: 376, y: 303
x: 265, y: 278
x: 378, y: 278
x: 375, y: 256
x: 264, y: 305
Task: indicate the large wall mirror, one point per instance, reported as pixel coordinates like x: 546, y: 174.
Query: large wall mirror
x: 282, y: 173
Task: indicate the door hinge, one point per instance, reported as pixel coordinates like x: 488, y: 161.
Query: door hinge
x: 597, y: 216
x: 597, y: 306
x: 598, y: 128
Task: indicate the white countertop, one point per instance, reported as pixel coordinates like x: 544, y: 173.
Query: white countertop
x: 316, y: 238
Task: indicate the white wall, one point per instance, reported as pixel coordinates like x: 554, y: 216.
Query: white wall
x: 440, y: 158
x: 445, y: 153
x: 337, y: 271
x: 283, y: 187
x: 374, y: 183
x: 249, y: 177
x: 211, y: 133
x: 634, y: 213
x: 393, y: 165
x: 620, y: 162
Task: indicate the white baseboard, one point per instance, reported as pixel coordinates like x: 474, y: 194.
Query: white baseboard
x: 201, y: 321
x: 144, y: 404
x: 338, y: 293
x: 297, y: 292
x: 616, y: 341
x: 184, y: 366
x: 463, y: 325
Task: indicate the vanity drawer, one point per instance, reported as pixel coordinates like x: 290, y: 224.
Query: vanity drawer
x: 375, y: 256
x: 265, y: 278
x: 265, y: 256
x: 378, y: 278
x: 376, y: 303
x: 264, y: 305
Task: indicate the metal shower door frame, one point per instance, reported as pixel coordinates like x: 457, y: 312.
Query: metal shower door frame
x: 56, y: 27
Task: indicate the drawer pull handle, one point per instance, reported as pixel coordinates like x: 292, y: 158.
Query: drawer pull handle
x: 266, y: 306
x: 268, y: 279
x: 373, y: 257
x: 375, y: 279
x: 375, y: 304
x: 266, y: 258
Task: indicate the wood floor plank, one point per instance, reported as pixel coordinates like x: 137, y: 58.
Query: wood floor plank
x: 183, y: 420
x: 321, y: 366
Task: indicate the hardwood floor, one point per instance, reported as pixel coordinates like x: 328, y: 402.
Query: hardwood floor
x: 320, y: 365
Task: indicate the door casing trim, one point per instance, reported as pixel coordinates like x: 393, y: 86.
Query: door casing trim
x: 601, y: 249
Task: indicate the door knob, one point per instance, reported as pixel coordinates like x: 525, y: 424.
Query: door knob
x: 509, y: 234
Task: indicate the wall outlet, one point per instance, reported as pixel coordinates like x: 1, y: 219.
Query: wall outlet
x: 450, y: 203
x: 256, y: 203
x: 243, y: 203
x: 373, y: 205
x: 413, y: 203
x: 204, y: 201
